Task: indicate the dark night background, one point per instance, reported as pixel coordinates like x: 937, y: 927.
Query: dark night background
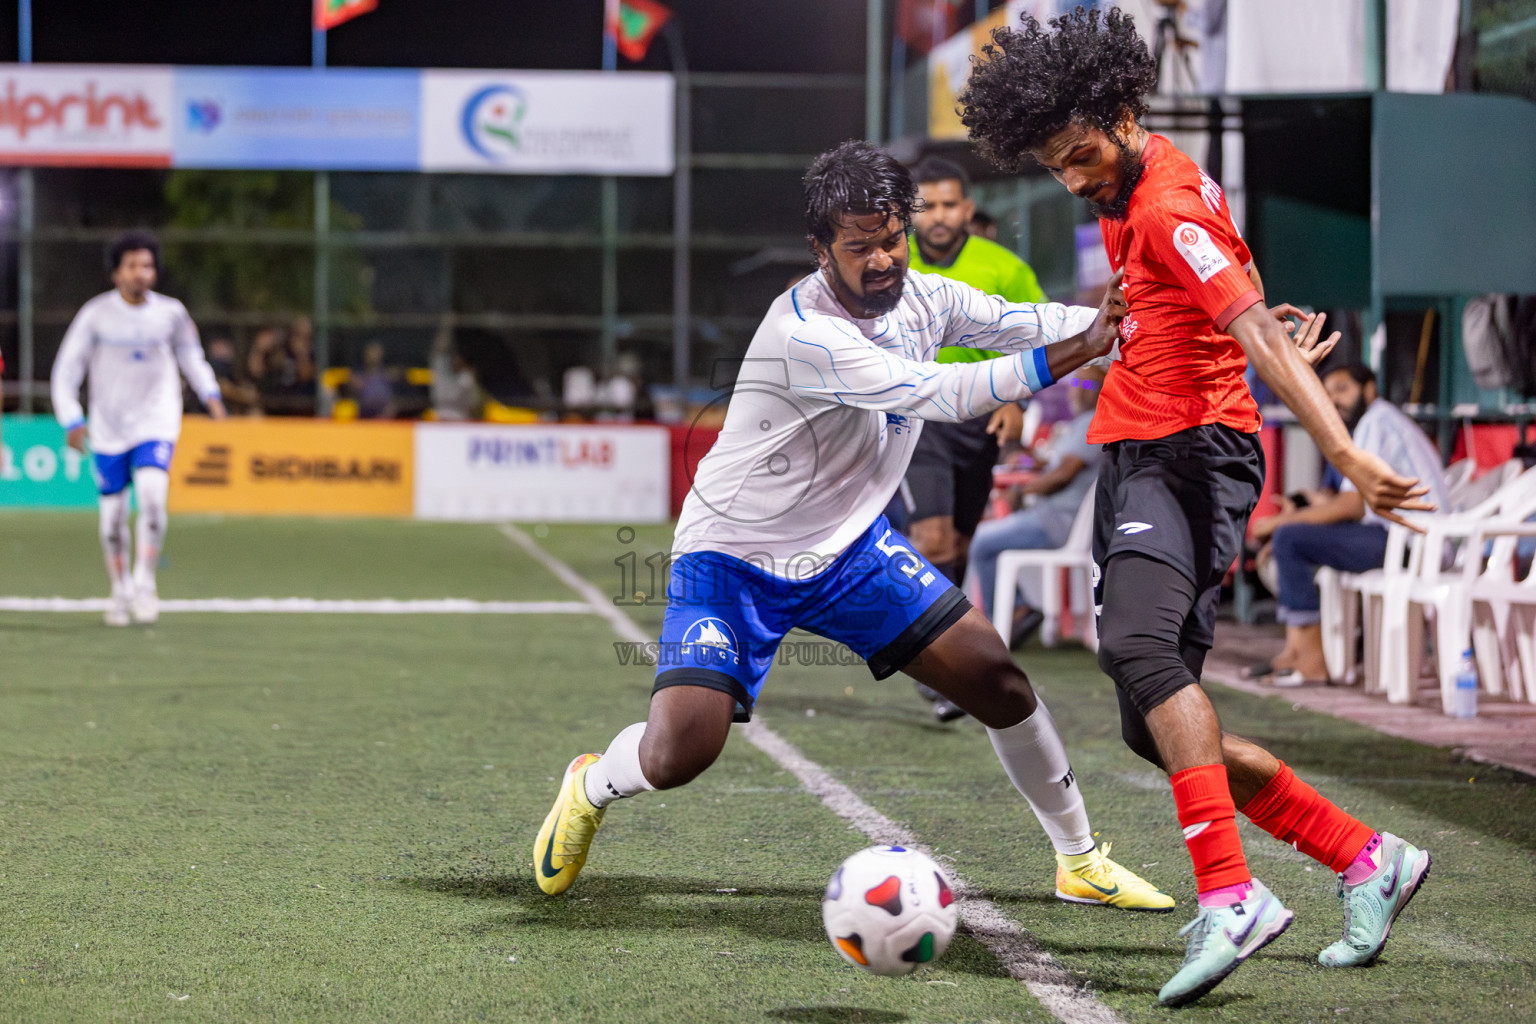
x: 720, y: 35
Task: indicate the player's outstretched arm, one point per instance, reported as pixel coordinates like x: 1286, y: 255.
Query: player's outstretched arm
x: 1098, y: 340
x: 1282, y: 362
x: 194, y: 365
x: 69, y: 368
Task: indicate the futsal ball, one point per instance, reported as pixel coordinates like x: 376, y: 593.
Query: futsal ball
x: 889, y: 910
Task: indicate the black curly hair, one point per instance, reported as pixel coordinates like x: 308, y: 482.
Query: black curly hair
x: 1090, y: 67
x: 857, y: 178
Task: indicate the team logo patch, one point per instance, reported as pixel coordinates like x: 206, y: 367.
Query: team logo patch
x: 1204, y: 256
x: 711, y: 639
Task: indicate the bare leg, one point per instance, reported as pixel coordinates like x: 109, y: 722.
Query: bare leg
x: 684, y: 732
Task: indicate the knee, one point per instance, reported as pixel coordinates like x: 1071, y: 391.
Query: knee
x: 1283, y: 544
x: 1010, y: 700
x: 1139, y: 740
x: 670, y: 768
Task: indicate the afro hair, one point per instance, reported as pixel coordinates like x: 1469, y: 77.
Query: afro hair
x: 1030, y: 83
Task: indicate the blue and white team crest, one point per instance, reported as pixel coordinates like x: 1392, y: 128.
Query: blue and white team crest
x: 711, y: 641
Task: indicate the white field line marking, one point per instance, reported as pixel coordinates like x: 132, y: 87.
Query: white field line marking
x: 310, y: 606
x: 596, y: 600
x: 1018, y: 952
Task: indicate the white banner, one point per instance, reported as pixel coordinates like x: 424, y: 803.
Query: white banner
x: 547, y: 122
x: 80, y: 114
x: 589, y: 474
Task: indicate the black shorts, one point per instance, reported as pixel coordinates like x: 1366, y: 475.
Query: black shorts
x: 1183, y: 500
x: 950, y: 475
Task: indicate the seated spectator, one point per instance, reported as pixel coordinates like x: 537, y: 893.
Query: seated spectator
x: 374, y: 385
x: 455, y: 392
x: 240, y: 396
x: 1336, y: 529
x: 1067, y: 473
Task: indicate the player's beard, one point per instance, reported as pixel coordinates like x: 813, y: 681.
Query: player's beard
x: 1352, y: 417
x: 1131, y: 169
x: 875, y: 303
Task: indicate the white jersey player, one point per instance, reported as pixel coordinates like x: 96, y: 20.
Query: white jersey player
x: 784, y: 526
x: 131, y: 342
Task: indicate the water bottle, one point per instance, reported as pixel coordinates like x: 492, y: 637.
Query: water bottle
x: 1465, y: 704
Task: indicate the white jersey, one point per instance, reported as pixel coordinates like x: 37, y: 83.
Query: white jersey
x: 132, y: 354
x: 827, y: 408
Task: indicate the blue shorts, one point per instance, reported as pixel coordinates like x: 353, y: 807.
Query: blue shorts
x: 726, y: 617
x: 114, y: 471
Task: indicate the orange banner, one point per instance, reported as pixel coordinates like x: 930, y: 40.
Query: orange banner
x: 293, y: 467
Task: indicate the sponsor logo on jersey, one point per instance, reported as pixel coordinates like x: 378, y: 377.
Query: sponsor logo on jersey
x: 709, y: 635
x: 1128, y: 328
x: 1133, y: 528
x: 1210, y: 192
x: 492, y: 121
x: 1203, y: 255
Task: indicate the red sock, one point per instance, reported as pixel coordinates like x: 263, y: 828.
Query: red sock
x: 1293, y: 812
x: 1209, y: 821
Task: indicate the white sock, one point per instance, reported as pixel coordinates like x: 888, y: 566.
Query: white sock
x: 1036, y: 761
x: 116, y: 540
x: 617, y: 773
x: 152, y: 486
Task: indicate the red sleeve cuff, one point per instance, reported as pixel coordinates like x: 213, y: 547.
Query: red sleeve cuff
x: 1238, y: 305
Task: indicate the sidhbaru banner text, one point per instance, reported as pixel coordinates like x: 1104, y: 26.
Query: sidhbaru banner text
x: 496, y: 122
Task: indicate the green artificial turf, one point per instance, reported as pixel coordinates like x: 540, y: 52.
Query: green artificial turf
x: 330, y: 818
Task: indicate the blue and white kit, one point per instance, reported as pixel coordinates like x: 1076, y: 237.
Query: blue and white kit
x: 783, y: 526
x: 132, y: 354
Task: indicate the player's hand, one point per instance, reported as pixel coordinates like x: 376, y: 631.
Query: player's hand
x: 1383, y: 489
x: 76, y: 438
x: 1105, y: 330
x: 216, y: 408
x: 1312, y: 349
x: 1007, y: 423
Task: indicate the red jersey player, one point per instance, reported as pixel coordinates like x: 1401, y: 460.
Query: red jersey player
x: 1182, y: 471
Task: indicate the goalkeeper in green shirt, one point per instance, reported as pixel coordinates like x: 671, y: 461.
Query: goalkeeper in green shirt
x: 950, y: 478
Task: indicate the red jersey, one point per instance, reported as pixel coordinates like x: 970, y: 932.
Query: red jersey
x: 1186, y: 279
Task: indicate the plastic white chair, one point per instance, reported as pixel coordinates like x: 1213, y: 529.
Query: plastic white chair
x: 1503, y: 614
x: 1458, y: 475
x: 1352, y: 600
x: 1442, y: 565
x: 1076, y: 556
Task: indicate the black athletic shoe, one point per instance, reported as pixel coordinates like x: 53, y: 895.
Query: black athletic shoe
x: 1024, y: 627
x: 946, y: 710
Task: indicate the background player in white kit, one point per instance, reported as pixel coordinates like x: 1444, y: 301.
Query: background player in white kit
x: 131, y: 341
x: 783, y: 527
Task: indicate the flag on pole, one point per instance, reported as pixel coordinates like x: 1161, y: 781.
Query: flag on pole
x: 330, y: 13
x: 632, y: 24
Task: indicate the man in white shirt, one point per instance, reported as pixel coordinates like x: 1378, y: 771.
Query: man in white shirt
x: 1337, y: 528
x: 784, y: 527
x: 130, y: 341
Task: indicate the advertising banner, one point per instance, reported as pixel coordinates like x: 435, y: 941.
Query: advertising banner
x: 292, y: 467
x: 343, y: 119
x: 592, y: 474
x: 38, y: 470
x: 85, y: 115
x: 546, y: 122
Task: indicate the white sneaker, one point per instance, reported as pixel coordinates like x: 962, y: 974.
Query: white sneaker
x: 117, y: 609
x: 146, y: 606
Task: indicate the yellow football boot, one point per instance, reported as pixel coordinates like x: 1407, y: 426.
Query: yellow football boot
x: 1094, y: 878
x: 561, y: 847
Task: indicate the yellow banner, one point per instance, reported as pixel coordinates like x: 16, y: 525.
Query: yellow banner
x: 293, y: 467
